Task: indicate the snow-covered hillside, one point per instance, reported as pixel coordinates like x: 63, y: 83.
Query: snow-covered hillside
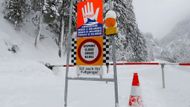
x: 23, y: 43
x: 176, y: 45
x: 180, y: 32
x: 154, y: 48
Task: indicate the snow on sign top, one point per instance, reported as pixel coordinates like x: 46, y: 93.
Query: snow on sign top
x: 110, y: 14
x: 90, y: 18
x: 110, y: 19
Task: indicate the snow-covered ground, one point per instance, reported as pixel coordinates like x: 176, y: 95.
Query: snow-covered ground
x: 31, y: 84
x: 26, y: 82
x: 47, y: 50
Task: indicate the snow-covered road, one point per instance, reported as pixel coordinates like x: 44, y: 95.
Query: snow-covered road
x: 31, y: 84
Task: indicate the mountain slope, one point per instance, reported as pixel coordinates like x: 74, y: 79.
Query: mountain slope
x: 176, y: 45
x: 154, y: 49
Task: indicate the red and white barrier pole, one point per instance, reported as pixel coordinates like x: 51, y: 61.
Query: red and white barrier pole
x: 184, y: 64
x: 136, y: 63
x: 133, y: 63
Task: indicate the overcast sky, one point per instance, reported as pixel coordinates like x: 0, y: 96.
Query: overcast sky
x: 160, y: 16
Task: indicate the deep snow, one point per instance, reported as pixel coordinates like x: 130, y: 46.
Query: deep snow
x: 33, y: 85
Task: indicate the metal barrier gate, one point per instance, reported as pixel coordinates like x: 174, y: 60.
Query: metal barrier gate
x: 162, y: 65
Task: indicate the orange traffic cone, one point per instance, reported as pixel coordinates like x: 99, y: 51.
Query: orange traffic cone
x: 135, y: 99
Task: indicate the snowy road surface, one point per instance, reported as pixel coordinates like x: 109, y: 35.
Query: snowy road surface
x: 30, y: 84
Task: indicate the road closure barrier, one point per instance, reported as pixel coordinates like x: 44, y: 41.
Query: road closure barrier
x: 128, y: 63
x: 162, y: 65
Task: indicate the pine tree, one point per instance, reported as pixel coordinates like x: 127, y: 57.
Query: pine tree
x: 50, y: 10
x: 16, y: 10
x: 55, y: 14
x: 36, y: 5
x: 64, y: 19
x: 133, y: 42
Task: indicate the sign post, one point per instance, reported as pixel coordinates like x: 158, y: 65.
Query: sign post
x: 111, y: 30
x: 90, y: 45
x: 115, y: 73
x: 68, y: 53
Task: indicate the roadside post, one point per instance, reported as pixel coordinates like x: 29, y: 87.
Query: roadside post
x: 68, y: 54
x: 111, y: 30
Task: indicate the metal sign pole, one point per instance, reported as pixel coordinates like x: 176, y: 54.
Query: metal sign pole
x: 114, y: 63
x: 68, y: 53
x: 115, y: 72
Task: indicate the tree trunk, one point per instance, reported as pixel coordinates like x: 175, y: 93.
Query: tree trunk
x: 39, y: 32
x: 61, y: 37
x: 40, y: 23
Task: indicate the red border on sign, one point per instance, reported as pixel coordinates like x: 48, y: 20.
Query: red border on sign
x: 99, y: 51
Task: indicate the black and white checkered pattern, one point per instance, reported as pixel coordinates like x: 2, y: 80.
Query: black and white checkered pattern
x: 73, y: 50
x: 106, y: 49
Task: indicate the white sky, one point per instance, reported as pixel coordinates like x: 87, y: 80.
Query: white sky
x: 160, y: 16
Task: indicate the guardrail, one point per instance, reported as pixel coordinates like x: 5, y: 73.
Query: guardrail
x: 134, y: 63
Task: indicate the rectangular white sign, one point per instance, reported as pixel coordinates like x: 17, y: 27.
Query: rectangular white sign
x: 89, y: 70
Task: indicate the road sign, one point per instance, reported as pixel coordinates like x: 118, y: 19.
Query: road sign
x: 89, y: 70
x: 89, y: 51
x: 90, y: 18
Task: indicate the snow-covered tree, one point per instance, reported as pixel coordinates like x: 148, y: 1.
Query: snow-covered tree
x: 133, y: 42
x: 50, y: 10
x: 55, y: 14
x: 36, y: 5
x: 16, y: 10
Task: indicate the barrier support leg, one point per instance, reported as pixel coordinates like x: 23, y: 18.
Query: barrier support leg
x: 163, y: 75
